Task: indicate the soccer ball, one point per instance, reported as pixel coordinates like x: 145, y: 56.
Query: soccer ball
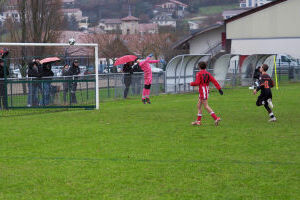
x: 72, y: 41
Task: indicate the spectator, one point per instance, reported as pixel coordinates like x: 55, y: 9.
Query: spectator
x: 46, y: 85
x: 4, y: 72
x: 74, y: 71
x: 127, y: 69
x: 66, y: 85
x: 137, y: 79
x: 34, y: 85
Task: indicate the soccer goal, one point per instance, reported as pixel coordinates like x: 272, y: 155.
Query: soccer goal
x: 55, y: 85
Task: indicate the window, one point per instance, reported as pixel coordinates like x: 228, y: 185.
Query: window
x: 250, y: 3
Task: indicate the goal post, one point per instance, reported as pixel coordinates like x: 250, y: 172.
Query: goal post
x: 95, y: 46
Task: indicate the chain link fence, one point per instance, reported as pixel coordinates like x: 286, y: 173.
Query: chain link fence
x: 73, y: 91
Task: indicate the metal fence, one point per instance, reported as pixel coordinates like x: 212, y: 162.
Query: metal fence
x: 235, y: 78
x: 79, y: 91
x: 113, y: 86
x: 73, y: 91
x: 54, y: 92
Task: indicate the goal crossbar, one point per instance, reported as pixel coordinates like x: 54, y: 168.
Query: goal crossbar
x: 64, y: 45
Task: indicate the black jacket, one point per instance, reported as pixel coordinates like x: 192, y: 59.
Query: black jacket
x: 2, y: 72
x: 46, y: 70
x: 256, y: 74
x: 137, y: 68
x: 74, y: 70
x: 127, y: 69
x: 33, y: 71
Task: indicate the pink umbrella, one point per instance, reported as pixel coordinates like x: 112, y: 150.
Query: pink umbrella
x: 49, y: 60
x: 125, y: 59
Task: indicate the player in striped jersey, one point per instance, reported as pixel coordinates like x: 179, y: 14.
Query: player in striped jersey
x: 203, y: 78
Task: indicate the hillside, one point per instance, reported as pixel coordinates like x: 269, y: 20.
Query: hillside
x: 97, y: 9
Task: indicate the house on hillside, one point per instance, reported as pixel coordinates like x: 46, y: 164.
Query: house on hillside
x: 193, y: 25
x: 231, y: 13
x: 12, y: 14
x: 130, y: 25
x: 127, y: 26
x: 164, y: 19
x: 77, y: 13
x: 148, y: 29
x: 110, y: 25
x: 253, y: 3
x: 173, y: 7
x: 68, y: 3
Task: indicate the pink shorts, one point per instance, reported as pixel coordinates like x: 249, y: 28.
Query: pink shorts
x: 148, y: 81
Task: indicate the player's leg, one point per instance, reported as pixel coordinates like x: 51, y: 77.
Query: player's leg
x: 271, y: 114
x: 209, y: 110
x: 199, y: 116
x: 148, y: 94
x: 260, y: 101
x: 144, y: 94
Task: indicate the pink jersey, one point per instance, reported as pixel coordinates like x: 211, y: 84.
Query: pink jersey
x: 145, y: 66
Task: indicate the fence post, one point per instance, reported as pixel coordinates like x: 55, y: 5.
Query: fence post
x: 5, y: 100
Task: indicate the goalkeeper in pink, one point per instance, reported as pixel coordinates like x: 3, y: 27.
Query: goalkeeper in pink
x: 145, y: 66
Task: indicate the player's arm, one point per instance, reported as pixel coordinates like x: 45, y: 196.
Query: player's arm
x: 146, y: 60
x: 216, y: 84
x: 261, y: 84
x: 197, y: 81
x: 153, y: 61
x: 271, y: 83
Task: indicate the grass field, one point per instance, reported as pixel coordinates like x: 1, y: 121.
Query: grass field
x: 134, y: 151
x: 212, y: 10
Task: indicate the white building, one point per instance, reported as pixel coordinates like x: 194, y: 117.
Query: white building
x: 209, y: 40
x: 148, y: 29
x: 164, y: 19
x: 77, y: 13
x: 231, y: 13
x: 253, y: 3
x: 109, y: 25
x: 172, y: 6
x: 193, y: 25
x: 130, y: 25
x: 273, y: 28
x: 68, y: 3
x: 12, y: 14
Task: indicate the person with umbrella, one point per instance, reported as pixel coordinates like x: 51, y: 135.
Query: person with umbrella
x: 46, y: 74
x: 128, y: 62
x: 128, y: 71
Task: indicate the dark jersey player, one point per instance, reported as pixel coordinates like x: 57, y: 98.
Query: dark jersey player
x: 265, y: 98
x: 203, y: 78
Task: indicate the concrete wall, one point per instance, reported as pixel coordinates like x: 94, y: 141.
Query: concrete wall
x: 278, y: 21
x: 289, y: 46
x: 200, y: 44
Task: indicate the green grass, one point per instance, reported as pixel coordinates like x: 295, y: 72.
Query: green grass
x: 212, y: 10
x: 133, y: 151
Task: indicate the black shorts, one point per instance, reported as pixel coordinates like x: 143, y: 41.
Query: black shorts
x: 263, y: 98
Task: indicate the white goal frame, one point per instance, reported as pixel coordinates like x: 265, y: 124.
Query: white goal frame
x: 65, y: 45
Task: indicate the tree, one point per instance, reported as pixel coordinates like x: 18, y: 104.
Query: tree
x: 111, y: 46
x: 40, y: 22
